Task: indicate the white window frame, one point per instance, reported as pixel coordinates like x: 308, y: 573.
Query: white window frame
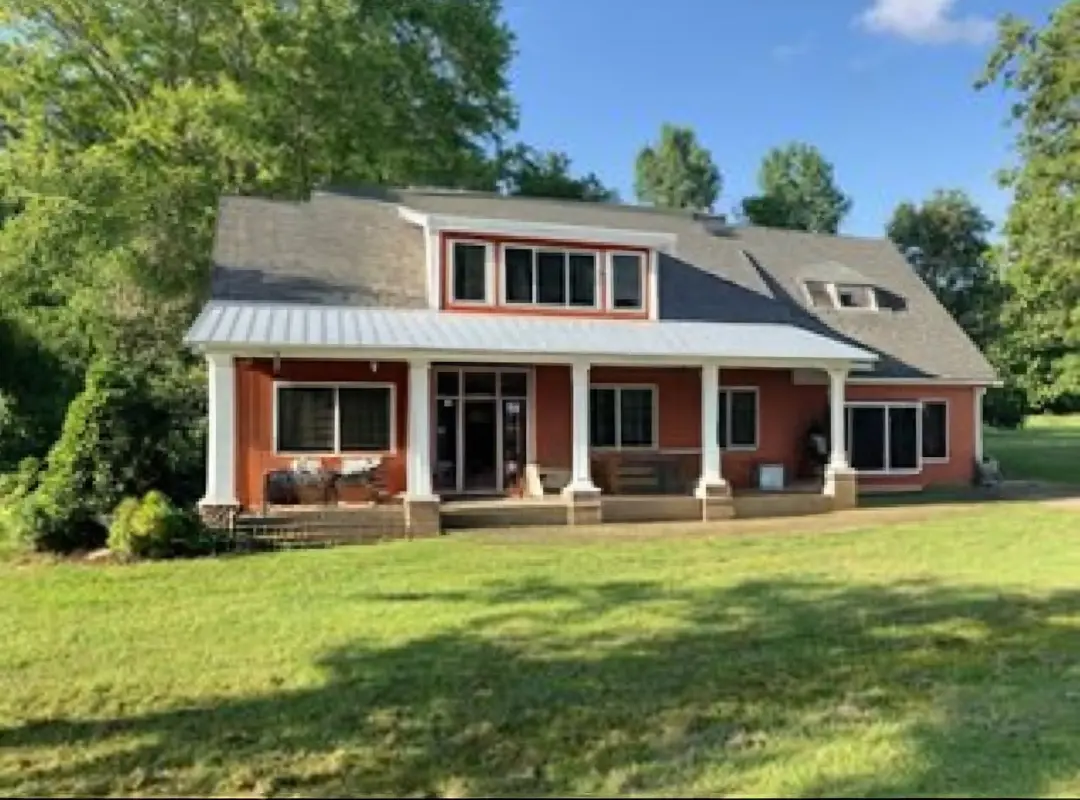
x: 654, y: 390
x: 948, y: 430
x: 336, y: 385
x: 725, y: 397
x: 452, y: 271
x: 609, y: 270
x: 834, y: 293
x: 887, y: 405
x: 598, y: 265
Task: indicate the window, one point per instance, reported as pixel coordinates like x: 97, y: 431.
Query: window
x: 627, y: 291
x: 334, y: 419
x: 819, y: 294
x: 622, y: 416
x: 935, y: 430
x: 365, y: 418
x: 823, y: 294
x: 470, y: 272
x: 855, y: 297
x: 738, y: 419
x: 884, y: 438
x: 549, y: 277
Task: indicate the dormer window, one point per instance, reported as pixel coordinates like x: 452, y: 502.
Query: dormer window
x: 469, y: 265
x: 549, y: 277
x: 826, y: 294
x: 627, y: 281
x: 855, y: 297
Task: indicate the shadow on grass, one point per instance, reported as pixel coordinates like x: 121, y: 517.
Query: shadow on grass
x: 983, y: 687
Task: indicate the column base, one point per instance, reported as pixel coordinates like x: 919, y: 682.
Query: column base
x: 716, y: 500
x: 842, y: 485
x: 422, y: 515
x: 534, y: 487
x: 218, y: 515
x: 583, y: 505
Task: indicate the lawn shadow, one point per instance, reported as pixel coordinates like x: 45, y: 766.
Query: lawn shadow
x: 983, y: 684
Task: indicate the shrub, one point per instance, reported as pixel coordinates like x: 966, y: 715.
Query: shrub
x: 130, y: 429
x: 155, y: 528
x: 1005, y: 407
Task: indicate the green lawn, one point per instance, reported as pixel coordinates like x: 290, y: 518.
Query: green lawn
x: 938, y: 657
x: 1046, y: 448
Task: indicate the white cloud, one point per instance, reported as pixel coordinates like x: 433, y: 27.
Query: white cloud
x: 792, y: 50
x: 926, y: 22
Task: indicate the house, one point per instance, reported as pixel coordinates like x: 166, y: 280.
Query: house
x: 467, y: 344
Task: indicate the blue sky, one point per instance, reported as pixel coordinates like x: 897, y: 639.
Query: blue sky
x: 882, y: 87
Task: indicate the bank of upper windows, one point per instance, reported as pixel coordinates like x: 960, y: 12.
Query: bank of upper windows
x: 548, y: 277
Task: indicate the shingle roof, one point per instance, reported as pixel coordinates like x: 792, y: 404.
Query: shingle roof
x: 352, y: 248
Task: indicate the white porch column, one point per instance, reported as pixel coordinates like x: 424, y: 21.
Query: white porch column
x: 712, y: 478
x: 581, y: 480
x: 980, y: 393
x: 221, y: 431
x: 418, y: 456
x: 837, y: 418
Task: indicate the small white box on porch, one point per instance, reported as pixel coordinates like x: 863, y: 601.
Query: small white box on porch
x: 770, y: 477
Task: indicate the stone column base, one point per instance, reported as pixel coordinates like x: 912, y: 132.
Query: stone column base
x: 422, y: 517
x: 219, y: 516
x: 842, y: 485
x: 716, y: 501
x: 583, y: 506
x: 534, y: 487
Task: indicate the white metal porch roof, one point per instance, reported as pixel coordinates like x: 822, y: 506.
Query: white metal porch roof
x: 246, y: 327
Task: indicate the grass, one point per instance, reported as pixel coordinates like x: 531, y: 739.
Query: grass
x: 936, y: 658
x: 1046, y: 448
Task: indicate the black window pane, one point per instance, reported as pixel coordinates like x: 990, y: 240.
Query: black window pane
x: 365, y: 418
x: 743, y: 419
x: 305, y: 420
x: 903, y: 438
x: 868, y: 438
x: 602, y: 418
x: 470, y: 272
x: 635, y: 417
x: 519, y: 275
x: 582, y: 279
x: 480, y: 383
x: 514, y: 384
x: 446, y: 383
x: 722, y: 420
x: 935, y: 430
x: 626, y: 286
x: 551, y: 277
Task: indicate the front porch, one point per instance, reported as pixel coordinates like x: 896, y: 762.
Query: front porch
x: 344, y: 522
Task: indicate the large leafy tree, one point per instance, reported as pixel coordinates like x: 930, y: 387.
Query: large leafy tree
x: 945, y: 239
x: 798, y: 191
x: 1041, y: 250
x: 123, y: 122
x: 533, y: 173
x: 677, y: 172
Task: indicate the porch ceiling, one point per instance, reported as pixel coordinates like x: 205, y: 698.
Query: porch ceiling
x: 259, y: 327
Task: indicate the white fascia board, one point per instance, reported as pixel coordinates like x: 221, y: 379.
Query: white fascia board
x: 524, y: 229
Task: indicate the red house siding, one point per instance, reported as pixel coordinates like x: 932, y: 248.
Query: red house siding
x: 960, y: 468
x: 255, y: 416
x: 785, y: 412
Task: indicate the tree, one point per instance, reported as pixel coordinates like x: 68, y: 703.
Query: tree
x: 677, y: 172
x: 529, y: 172
x: 945, y: 240
x: 1041, y: 250
x: 123, y: 123
x: 798, y: 191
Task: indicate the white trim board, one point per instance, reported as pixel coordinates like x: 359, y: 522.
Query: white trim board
x: 523, y: 229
